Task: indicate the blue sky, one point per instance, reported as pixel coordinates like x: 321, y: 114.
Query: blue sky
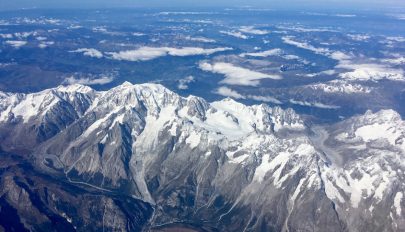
x: 17, y: 4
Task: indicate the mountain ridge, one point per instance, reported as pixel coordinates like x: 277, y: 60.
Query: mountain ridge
x: 211, y: 163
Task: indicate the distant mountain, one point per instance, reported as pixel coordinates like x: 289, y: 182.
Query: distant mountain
x: 141, y: 156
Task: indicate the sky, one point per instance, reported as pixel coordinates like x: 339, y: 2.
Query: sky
x: 18, y: 4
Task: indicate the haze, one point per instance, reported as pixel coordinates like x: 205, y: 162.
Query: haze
x: 315, y: 4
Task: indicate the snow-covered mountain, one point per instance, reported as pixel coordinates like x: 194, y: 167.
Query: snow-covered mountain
x: 221, y: 165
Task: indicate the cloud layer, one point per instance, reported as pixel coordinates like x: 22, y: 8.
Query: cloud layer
x: 228, y: 92
x: 289, y: 40
x: 236, y: 34
x: 272, y: 52
x: 89, y: 52
x: 252, y: 30
x: 235, y: 75
x: 88, y: 81
x: 16, y: 43
x: 183, y: 83
x: 150, y: 53
x: 200, y: 39
x: 314, y: 104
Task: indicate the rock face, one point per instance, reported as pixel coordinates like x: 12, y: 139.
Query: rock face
x: 221, y: 166
x: 31, y: 201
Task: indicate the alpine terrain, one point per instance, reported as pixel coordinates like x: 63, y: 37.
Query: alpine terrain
x: 143, y: 158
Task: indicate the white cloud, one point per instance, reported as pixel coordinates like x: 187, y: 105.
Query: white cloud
x: 395, y: 61
x: 264, y: 99
x: 326, y: 72
x: 149, y: 53
x: 345, y: 15
x: 236, y: 75
x: 88, y: 81
x: 236, y: 34
x: 398, y: 16
x: 289, y: 40
x: 6, y: 36
x: 252, y: 30
x: 358, y: 37
x: 4, y: 23
x: 314, y: 104
x: 340, y: 56
x: 272, y: 52
x: 365, y: 71
x: 74, y: 27
x: 396, y: 39
x: 305, y: 29
x: 22, y: 35
x: 101, y: 29
x: 39, y: 21
x: 45, y: 44
x: 89, y: 52
x: 227, y: 92
x: 41, y: 38
x: 200, y: 39
x: 291, y: 57
x: 369, y: 71
x: 138, y: 34
x: 16, y: 43
x: 186, y: 13
x: 183, y: 83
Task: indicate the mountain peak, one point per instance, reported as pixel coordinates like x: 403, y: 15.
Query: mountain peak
x: 126, y: 83
x: 77, y: 88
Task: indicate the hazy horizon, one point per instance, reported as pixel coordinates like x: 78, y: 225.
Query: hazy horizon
x: 277, y: 4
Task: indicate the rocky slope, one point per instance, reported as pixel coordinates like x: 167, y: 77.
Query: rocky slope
x: 219, y: 166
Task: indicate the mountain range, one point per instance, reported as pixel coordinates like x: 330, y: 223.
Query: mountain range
x: 141, y: 157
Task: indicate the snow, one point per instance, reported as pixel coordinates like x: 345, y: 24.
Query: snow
x: 74, y: 88
x: 360, y: 188
x: 387, y: 131
x: 297, y: 190
x: 27, y: 106
x: 154, y: 124
x: 305, y: 149
x: 226, y: 125
x: 262, y: 169
x: 193, y: 139
x: 363, y: 179
x: 119, y: 119
x: 340, y: 86
x: 330, y: 190
x: 397, y: 203
x: 236, y: 160
x: 248, y: 131
x: 278, y: 163
x: 97, y: 125
x: 34, y: 105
